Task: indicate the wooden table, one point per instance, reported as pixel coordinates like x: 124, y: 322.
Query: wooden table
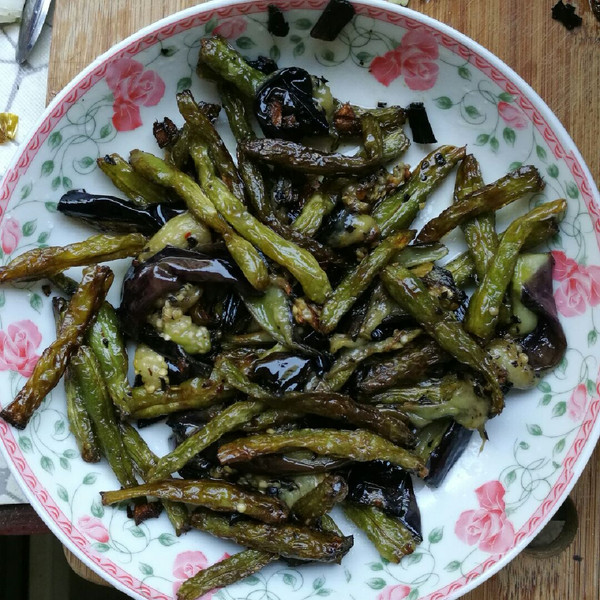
x: 563, y: 67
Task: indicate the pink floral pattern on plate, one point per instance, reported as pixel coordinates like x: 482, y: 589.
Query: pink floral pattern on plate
x: 186, y: 565
x: 487, y: 527
x: 10, y: 235
x: 512, y: 115
x: 18, y: 345
x: 579, y: 285
x: 394, y: 592
x: 414, y: 58
x: 93, y: 528
x: 132, y: 87
x: 231, y: 28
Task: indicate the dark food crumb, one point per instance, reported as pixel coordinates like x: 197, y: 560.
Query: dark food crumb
x: 577, y: 558
x: 337, y: 14
x: 565, y: 13
x: 46, y: 289
x: 277, y: 25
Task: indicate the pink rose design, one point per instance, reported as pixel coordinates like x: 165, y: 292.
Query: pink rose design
x: 573, y: 294
x: 231, y: 28
x: 564, y: 266
x: 512, y: 115
x: 593, y: 274
x: 414, y: 58
x: 386, y: 68
x: 488, y: 527
x: 394, y: 592
x: 10, y: 235
x: 186, y: 565
x: 132, y: 87
x: 577, y: 403
x: 93, y: 528
x: 17, y: 347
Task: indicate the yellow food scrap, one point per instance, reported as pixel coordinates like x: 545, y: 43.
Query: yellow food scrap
x: 8, y: 126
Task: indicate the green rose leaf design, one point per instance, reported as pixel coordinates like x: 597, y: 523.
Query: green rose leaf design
x: 559, y: 446
x: 510, y: 477
x: 506, y: 97
x: 64, y: 463
x: 299, y: 49
x: 541, y: 152
x: 295, y: 39
x: 376, y: 583
x: 413, y: 559
x: 472, y: 111
x: 347, y: 574
x: 137, y: 532
x: 364, y: 57
x: 47, y: 167
x: 414, y: 594
x: 169, y: 51
x: 323, y: 592
x: 54, y: 140
x: 89, y: 479
x: 50, y: 206
x: 546, y: 399
x: 97, y: 509
x: 62, y: 493
x: 105, y: 131
x: 464, y: 72
x: 252, y: 580
x: 444, y: 102
x: 67, y: 183
x: 59, y: 427
x: 211, y: 25
x: 184, y: 83
x: 482, y: 139
x: 544, y: 386
x: 35, y: 301
x: 376, y: 566
x: 43, y: 237
x: 86, y: 162
x: 289, y: 579
x: 47, y: 464
x: 534, y: 429
x: 514, y: 165
x: 436, y: 535
x: 25, y: 191
x: 274, y: 53
x: 552, y: 170
x: 319, y: 582
x: 55, y: 183
x: 572, y: 190
x: 2, y: 298
x: 452, y: 566
x: 524, y: 445
x: 25, y: 444
x: 494, y: 143
x: 328, y: 55
x: 166, y: 539
x: 592, y: 337
x: 591, y: 386
x: 100, y: 547
x: 560, y: 408
x: 303, y: 24
x: 70, y: 453
x: 146, y: 569
x: 29, y: 227
x: 245, y: 42
x: 509, y: 135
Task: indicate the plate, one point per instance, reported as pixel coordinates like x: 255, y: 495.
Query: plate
x: 494, y: 501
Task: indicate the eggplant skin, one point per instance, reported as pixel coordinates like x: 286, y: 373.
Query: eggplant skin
x: 454, y: 442
x: 109, y: 213
x: 387, y: 487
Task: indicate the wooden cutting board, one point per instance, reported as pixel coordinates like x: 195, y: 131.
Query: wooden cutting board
x: 562, y: 66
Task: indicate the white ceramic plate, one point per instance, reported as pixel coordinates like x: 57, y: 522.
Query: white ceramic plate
x: 493, y: 502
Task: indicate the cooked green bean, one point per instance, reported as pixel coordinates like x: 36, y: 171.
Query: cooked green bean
x: 491, y: 197
x: 320, y: 500
x: 273, y: 313
x: 225, y: 572
x: 312, y: 214
x: 387, y: 534
x: 399, y: 210
x: 480, y: 231
x: 484, y: 305
x: 43, y: 262
x: 410, y: 292
x: 360, y: 445
x: 372, y: 137
x: 358, y: 280
x: 243, y: 252
x: 134, y: 186
x: 144, y: 460
x: 78, y: 317
x: 300, y: 263
x: 217, y: 495
x: 291, y: 541
x: 99, y: 406
x: 230, y: 419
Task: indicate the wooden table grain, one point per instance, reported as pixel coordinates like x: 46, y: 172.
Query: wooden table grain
x: 562, y: 66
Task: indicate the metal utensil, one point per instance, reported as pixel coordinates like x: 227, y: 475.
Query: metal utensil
x: 34, y: 15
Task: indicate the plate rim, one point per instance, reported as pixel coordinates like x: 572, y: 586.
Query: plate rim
x: 481, y: 572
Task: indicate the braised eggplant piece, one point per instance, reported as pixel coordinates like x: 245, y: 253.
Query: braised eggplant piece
x: 264, y: 64
x: 285, y: 107
x: 546, y: 344
x: 166, y: 272
x: 337, y: 14
x: 387, y: 487
x: 419, y: 124
x: 441, y: 444
x: 109, y: 213
x: 282, y: 372
x: 293, y: 463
